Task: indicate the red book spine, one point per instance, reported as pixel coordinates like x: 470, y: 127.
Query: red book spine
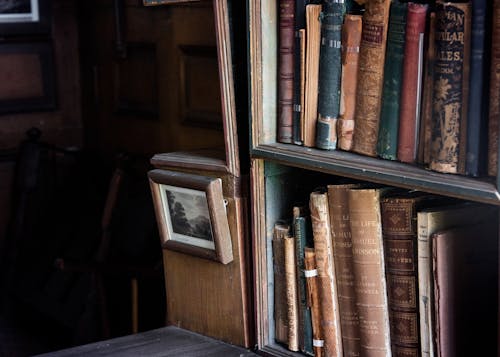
x: 409, y: 114
x: 285, y: 84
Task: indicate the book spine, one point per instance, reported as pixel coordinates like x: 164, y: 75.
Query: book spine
x: 311, y: 274
x: 389, y: 113
x: 286, y: 67
x: 479, y: 62
x: 291, y: 294
x: 300, y: 23
x: 428, y: 86
x: 313, y: 28
x: 409, y: 115
x: 494, y: 110
x: 280, y: 313
x: 305, y: 332
x: 342, y: 256
x: 302, y: 35
x: 451, y: 82
x: 329, y: 74
x: 351, y: 39
x: 369, y: 272
x: 400, y: 243
x: 370, y: 76
x: 330, y: 319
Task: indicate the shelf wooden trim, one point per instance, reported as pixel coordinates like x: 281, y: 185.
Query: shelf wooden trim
x: 380, y: 171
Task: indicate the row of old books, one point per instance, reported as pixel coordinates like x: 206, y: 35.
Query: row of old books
x: 386, y: 272
x: 407, y: 81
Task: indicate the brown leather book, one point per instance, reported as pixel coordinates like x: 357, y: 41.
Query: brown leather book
x: 286, y: 65
x: 399, y: 228
x: 465, y: 267
x: 313, y: 35
x: 311, y: 274
x: 291, y: 293
x: 342, y: 256
x: 428, y: 86
x: 281, y: 230
x: 494, y: 111
x: 411, y: 87
x: 370, y: 76
x: 351, y: 39
x: 451, y: 84
x: 302, y: 83
x: 369, y: 272
x: 327, y: 283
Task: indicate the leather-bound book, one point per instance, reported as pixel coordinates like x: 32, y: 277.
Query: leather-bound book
x: 292, y: 303
x: 451, y: 83
x: 369, y: 272
x: 286, y: 70
x: 494, y: 109
x: 303, y: 238
x: 342, y: 256
x: 399, y: 228
x: 311, y: 274
x: 387, y: 143
x: 351, y: 39
x: 424, y: 147
x: 327, y: 283
x: 313, y: 35
x: 411, y: 90
x: 477, y: 125
x: 466, y: 290
x: 281, y: 230
x: 329, y: 74
x: 370, y: 76
x: 300, y: 24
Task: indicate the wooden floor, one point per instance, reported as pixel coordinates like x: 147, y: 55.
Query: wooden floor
x: 166, y: 341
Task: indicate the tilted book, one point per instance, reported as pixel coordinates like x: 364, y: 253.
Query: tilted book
x: 351, y: 39
x: 327, y: 283
x: 411, y: 89
x: 342, y: 256
x: 369, y: 272
x: 451, y: 83
x: 286, y: 70
x: 429, y: 221
x: 494, y: 110
x: 313, y: 34
x: 465, y: 276
x: 311, y: 274
x: 281, y: 230
x: 387, y: 142
x: 292, y: 303
x: 330, y: 71
x: 370, y: 76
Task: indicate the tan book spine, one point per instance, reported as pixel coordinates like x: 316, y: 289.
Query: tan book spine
x: 370, y: 76
x: 280, y: 303
x: 342, y: 255
x: 313, y: 29
x: 351, y: 39
x: 311, y: 274
x: 369, y: 272
x: 494, y: 110
x: 291, y: 293
x: 330, y: 317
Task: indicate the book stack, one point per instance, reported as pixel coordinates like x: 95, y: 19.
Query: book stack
x: 379, y: 271
x: 406, y: 81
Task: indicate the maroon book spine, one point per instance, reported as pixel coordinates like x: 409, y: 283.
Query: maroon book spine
x: 409, y: 114
x: 285, y: 84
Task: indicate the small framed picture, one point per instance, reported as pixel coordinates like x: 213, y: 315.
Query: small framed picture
x: 24, y: 17
x: 191, y: 214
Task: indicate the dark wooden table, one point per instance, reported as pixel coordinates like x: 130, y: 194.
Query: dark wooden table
x: 166, y: 341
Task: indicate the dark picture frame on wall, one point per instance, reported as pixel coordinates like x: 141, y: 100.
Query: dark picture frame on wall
x: 191, y: 214
x: 24, y: 17
x: 28, y: 68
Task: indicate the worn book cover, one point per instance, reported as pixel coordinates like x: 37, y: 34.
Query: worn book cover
x: 311, y: 274
x: 292, y: 302
x: 281, y: 230
x: 494, y: 109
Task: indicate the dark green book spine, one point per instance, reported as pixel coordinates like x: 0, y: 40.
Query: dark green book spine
x: 387, y: 143
x: 300, y: 226
x: 332, y: 17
